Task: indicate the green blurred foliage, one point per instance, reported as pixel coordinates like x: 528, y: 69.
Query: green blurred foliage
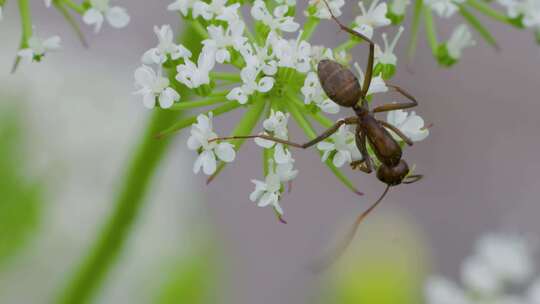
x: 192, y: 280
x: 20, y: 198
x: 385, y: 265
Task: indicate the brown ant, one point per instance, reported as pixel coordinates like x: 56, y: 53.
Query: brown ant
x: 342, y: 86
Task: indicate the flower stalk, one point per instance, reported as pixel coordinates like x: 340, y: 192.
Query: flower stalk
x: 102, y: 256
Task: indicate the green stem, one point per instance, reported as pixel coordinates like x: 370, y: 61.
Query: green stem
x: 102, y: 255
x: 309, y: 27
x: 198, y: 28
x: 310, y: 133
x: 347, y: 45
x: 235, y: 77
x: 318, y: 116
x: 489, y: 11
x: 478, y: 26
x: 74, y: 6
x: 213, y: 99
x: 431, y: 32
x: 417, y: 14
x: 26, y: 22
x: 244, y: 127
x: 129, y: 201
x: 186, y: 122
x: 71, y: 21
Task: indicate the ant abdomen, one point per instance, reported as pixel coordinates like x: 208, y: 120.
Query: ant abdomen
x: 393, y: 176
x: 339, y: 83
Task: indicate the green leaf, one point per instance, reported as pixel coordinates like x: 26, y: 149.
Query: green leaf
x: 244, y: 127
x: 478, y: 26
x: 21, y: 198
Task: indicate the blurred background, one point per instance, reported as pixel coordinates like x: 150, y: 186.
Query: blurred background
x: 67, y: 126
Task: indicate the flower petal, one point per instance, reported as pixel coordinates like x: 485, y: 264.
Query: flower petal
x: 117, y: 17
x: 225, y: 152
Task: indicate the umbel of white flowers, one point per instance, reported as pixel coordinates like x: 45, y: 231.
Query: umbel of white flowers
x: 499, y: 264
x: 275, y: 78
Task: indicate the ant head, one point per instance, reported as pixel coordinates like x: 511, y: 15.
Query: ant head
x: 393, y: 176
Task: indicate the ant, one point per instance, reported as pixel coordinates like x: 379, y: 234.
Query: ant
x: 342, y: 86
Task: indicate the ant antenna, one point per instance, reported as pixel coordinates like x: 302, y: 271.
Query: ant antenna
x: 339, y: 250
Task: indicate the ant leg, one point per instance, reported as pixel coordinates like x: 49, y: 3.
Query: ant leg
x: 413, y: 178
x: 369, y: 68
x: 323, y: 136
x: 397, y: 106
x: 360, y: 165
x: 366, y: 164
x: 406, y: 139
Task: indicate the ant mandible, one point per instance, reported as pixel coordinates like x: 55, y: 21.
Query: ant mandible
x: 342, y: 86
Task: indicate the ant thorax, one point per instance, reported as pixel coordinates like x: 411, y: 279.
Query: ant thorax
x: 360, y: 110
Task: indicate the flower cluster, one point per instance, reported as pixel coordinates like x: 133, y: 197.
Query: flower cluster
x: 93, y: 13
x: 519, y: 14
x: 275, y: 80
x: 500, y: 264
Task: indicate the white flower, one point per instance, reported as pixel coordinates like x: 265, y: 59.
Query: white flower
x: 499, y: 262
x: 152, y: 85
x: 276, y: 125
x: 293, y: 53
x: 313, y: 93
x: 219, y: 40
x: 116, y: 16
x: 277, y: 21
x: 250, y: 84
x: 322, y: 10
x: 529, y: 9
x: 48, y: 3
x: 410, y: 124
x: 377, y: 83
x: 444, y: 8
x: 216, y: 9
x: 193, y: 76
x: 268, y: 193
x: 372, y: 18
x: 38, y: 47
x: 166, y: 47
x: 181, y: 5
x: 508, y: 256
x: 261, y: 58
x: 460, y: 39
x: 441, y: 291
x: 398, y: 7
x: 344, y: 144
x: 201, y: 133
x: 479, y: 277
x: 387, y: 57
